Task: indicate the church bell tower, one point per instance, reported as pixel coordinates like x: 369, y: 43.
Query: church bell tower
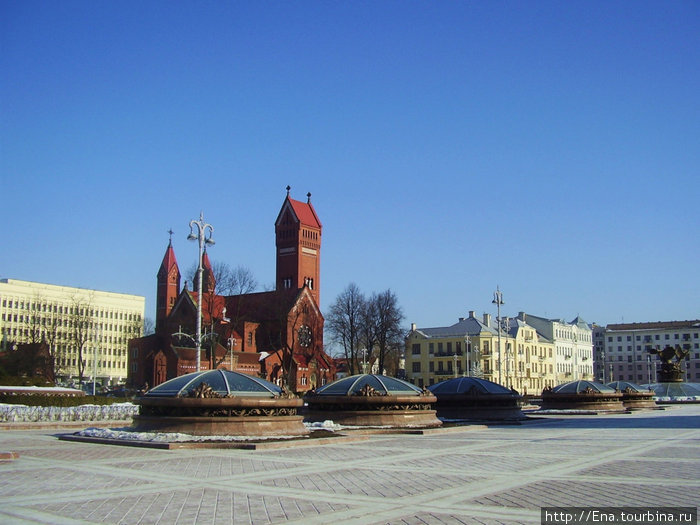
x: 168, y: 285
x: 298, y: 243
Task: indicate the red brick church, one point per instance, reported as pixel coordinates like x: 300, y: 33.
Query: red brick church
x: 277, y: 335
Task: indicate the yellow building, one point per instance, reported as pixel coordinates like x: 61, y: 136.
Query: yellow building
x: 66, y: 318
x: 471, y: 348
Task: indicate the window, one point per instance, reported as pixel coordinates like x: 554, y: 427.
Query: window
x: 416, y: 367
x: 416, y: 349
x: 432, y: 366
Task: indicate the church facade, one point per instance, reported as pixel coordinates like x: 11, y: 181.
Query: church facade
x: 276, y: 335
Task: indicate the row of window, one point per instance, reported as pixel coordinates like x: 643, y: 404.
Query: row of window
x: 685, y: 346
x: 88, y: 364
x: 657, y: 337
x: 68, y: 310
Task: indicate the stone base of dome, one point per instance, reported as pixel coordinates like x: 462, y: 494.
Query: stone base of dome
x: 482, y: 414
x: 376, y: 418
x: 636, y: 401
x: 249, y: 426
x: 583, y: 401
x: 481, y: 407
x: 221, y: 416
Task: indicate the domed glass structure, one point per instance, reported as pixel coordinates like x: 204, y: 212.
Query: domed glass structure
x: 589, y: 396
x: 354, y: 385
x: 473, y: 398
x: 622, y: 386
x: 463, y: 385
x: 634, y: 396
x: 372, y: 400
x: 223, y: 383
x: 220, y: 402
x: 676, y: 392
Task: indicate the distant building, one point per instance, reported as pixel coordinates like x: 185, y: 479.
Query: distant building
x: 65, y: 318
x: 470, y: 347
x: 626, y: 353
x: 277, y: 335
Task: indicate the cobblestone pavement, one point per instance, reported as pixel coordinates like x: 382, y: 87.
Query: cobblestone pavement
x: 475, y: 475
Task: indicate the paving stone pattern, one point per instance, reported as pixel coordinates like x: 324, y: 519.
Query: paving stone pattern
x: 474, y: 475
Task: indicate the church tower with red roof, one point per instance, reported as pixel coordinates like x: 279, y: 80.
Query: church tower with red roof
x: 298, y: 242
x: 168, y: 285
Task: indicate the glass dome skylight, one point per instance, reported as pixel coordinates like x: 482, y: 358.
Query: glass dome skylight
x: 385, y: 385
x: 223, y: 382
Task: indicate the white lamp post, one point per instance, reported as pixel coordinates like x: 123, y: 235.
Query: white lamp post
x: 203, y: 239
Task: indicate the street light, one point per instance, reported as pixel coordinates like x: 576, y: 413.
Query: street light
x: 468, y: 350
x: 454, y: 357
x: 498, y: 301
x: 203, y: 239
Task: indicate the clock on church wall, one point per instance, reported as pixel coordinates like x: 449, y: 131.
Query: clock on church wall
x: 305, y: 336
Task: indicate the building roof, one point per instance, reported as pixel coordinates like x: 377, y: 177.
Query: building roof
x: 657, y: 325
x: 303, y: 211
x: 469, y: 326
x: 168, y: 260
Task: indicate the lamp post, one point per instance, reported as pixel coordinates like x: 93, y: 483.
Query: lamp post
x: 648, y: 369
x: 203, y: 239
x: 498, y: 301
x: 454, y: 358
x: 468, y: 350
x: 94, y: 360
x: 476, y: 363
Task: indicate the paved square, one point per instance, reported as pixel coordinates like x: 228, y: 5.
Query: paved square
x: 475, y: 475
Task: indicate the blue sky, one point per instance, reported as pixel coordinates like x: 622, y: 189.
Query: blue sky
x: 550, y: 148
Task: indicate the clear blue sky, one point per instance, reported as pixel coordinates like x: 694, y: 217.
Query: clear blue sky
x: 551, y: 148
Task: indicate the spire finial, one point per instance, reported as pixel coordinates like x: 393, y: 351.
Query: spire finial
x: 170, y: 232
x: 308, y: 197
x: 288, y: 188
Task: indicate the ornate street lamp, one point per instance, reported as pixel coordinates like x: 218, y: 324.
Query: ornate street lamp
x: 203, y: 239
x: 498, y: 301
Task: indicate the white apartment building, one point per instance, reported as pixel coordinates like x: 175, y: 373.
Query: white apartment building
x: 35, y: 312
x: 626, y: 354
x: 573, y: 345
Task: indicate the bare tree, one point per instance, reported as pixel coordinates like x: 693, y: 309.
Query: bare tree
x: 51, y: 331
x: 80, y: 329
x: 385, y: 316
x: 149, y: 326
x: 344, y: 322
